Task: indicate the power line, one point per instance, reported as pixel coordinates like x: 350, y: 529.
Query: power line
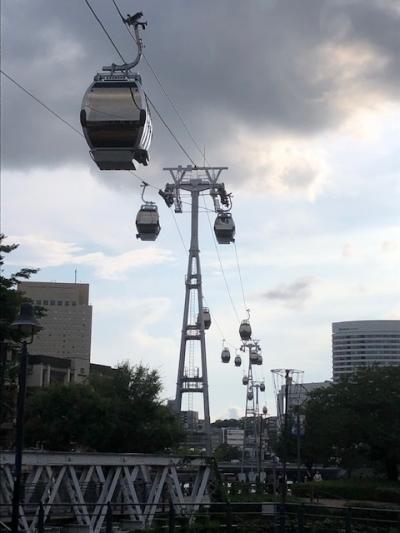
x: 222, y: 268
x: 104, y: 29
x: 240, y: 276
x: 41, y: 103
x: 173, y: 105
x: 170, y: 131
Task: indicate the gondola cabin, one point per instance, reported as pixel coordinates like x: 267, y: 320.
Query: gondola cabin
x: 116, y: 121
x: 148, y: 223
x: 253, y: 357
x: 250, y: 395
x: 245, y: 380
x: 206, y: 318
x: 262, y: 387
x: 224, y: 228
x: 225, y: 355
x: 245, y: 330
x: 238, y: 360
x: 259, y: 359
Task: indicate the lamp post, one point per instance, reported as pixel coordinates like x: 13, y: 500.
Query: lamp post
x: 26, y: 325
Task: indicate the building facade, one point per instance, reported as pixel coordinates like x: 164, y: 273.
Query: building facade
x: 232, y: 437
x: 60, y: 352
x: 361, y: 343
x: 297, y: 395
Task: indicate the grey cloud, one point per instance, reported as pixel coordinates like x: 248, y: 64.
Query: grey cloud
x: 292, y: 294
x: 226, y: 64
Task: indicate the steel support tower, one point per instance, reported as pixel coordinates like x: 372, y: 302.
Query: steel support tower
x: 252, y: 411
x: 193, y: 330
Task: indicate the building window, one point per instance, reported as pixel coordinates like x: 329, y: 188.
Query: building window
x: 59, y: 302
x: 52, y: 302
x: 45, y: 302
x: 67, y: 302
x: 39, y: 302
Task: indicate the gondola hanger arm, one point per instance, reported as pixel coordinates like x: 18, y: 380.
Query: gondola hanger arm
x: 131, y: 20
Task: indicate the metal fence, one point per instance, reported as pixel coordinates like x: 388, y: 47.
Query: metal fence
x: 237, y: 517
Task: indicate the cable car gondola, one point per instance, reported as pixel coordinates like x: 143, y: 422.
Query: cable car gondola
x: 148, y: 222
x: 224, y: 228
x: 115, y: 117
x: 250, y: 395
x: 245, y: 330
x: 262, y: 387
x: 238, y: 360
x: 253, y: 357
x: 206, y: 318
x: 225, y: 355
x: 259, y: 360
x: 245, y: 380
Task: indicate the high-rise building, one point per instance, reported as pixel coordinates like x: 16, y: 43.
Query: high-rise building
x: 60, y: 352
x: 361, y: 343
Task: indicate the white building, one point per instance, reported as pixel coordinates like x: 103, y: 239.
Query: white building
x: 297, y: 395
x: 60, y: 352
x: 232, y: 437
x: 361, y: 343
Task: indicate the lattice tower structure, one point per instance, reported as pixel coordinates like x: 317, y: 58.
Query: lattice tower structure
x: 192, y: 379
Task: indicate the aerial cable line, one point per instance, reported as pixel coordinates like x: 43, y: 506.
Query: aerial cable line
x: 240, y: 276
x: 174, y: 107
x: 150, y: 102
x: 105, y: 30
x: 170, y: 131
x: 222, y: 268
x: 41, y: 103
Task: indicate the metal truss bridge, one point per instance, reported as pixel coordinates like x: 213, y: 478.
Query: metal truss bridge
x: 78, y: 487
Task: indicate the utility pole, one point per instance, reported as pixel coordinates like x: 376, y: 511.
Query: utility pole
x: 190, y: 381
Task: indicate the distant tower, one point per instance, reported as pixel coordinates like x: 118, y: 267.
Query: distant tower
x: 196, y: 318
x: 252, y: 412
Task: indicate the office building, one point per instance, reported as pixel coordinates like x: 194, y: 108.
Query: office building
x: 297, y: 395
x: 361, y: 343
x: 232, y: 437
x: 60, y: 352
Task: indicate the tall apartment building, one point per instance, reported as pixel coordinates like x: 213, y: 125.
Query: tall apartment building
x: 360, y: 343
x: 60, y: 353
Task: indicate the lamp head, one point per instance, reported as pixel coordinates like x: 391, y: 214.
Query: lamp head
x: 26, y: 323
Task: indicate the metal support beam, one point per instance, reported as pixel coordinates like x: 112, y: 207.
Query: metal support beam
x: 78, y: 487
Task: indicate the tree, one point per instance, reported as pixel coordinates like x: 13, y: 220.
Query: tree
x: 119, y: 413
x: 356, y: 419
x: 10, y: 303
x: 225, y: 452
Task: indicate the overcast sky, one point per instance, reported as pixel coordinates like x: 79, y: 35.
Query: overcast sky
x: 300, y: 99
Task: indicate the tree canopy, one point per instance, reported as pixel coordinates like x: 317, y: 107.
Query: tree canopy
x: 120, y: 413
x: 356, y: 419
x: 10, y: 303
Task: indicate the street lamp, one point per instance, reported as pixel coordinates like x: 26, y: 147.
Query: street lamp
x: 26, y: 325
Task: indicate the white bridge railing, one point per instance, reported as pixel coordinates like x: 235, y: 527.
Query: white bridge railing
x: 79, y: 486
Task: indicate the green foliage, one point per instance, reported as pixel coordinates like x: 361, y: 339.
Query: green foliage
x: 228, y: 423
x: 224, y: 452
x: 350, y: 489
x: 119, y: 413
x: 10, y: 298
x: 10, y: 303
x: 356, y: 420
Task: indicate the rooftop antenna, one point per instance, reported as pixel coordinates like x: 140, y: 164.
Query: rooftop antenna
x: 76, y: 273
